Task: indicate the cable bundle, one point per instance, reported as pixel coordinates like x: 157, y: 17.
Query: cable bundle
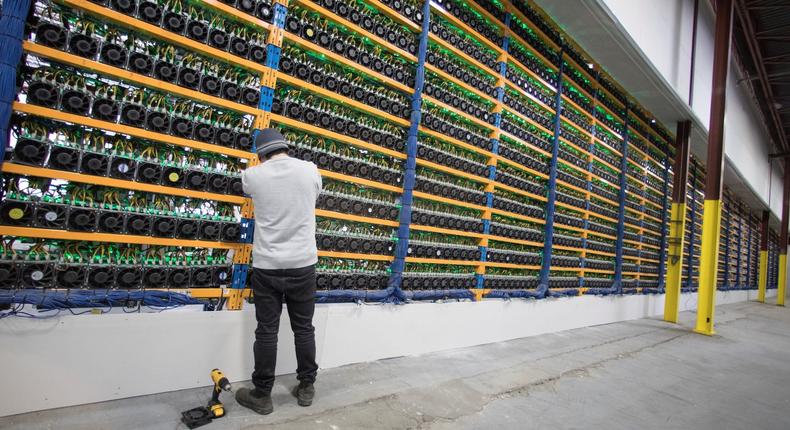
x: 51, y: 300
x: 12, y: 24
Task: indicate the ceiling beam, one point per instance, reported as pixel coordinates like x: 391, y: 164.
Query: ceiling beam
x: 754, y: 48
x: 774, y: 38
x: 773, y: 30
x: 777, y: 57
x: 755, y: 7
x: 771, y: 76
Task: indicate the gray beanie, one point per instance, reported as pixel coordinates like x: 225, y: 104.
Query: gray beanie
x: 268, y: 141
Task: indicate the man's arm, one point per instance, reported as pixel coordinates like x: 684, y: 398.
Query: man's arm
x: 244, y: 185
x: 318, y: 183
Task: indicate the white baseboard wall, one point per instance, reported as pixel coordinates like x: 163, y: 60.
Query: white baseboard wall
x: 93, y: 358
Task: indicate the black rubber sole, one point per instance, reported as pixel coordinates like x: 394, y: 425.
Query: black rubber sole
x: 255, y: 407
x: 300, y: 402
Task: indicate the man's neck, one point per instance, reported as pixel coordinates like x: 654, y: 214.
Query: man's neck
x: 277, y: 157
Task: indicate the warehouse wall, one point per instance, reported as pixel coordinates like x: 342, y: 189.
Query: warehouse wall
x: 666, y: 39
x: 120, y: 355
x: 747, y: 146
x: 662, y: 31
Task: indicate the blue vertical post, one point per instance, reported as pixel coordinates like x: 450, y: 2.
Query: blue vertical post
x: 642, y: 193
x: 246, y: 230
x: 773, y: 264
x: 617, y: 285
x: 410, y: 173
x: 692, y: 228
x: 662, y: 255
x: 588, y: 185
x: 548, y: 237
x: 494, y: 147
x: 12, y: 31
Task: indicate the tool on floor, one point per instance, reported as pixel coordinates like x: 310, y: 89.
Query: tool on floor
x: 203, y: 415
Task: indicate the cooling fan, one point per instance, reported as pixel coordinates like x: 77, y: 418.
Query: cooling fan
x: 105, y: 109
x: 42, y: 94
x: 37, y: 275
x: 16, y: 213
x: 100, y: 276
x: 51, y: 35
x: 178, y: 278
x: 186, y: 229
x: 127, y: 277
x: 124, y: 6
x: 154, y: 277
x: 174, y: 22
x: 111, y: 222
x: 139, y: 225
x: 84, y: 46
x: 82, y: 219
x: 51, y: 216
x: 28, y: 151
x: 71, y: 276
x: 64, y: 158
x: 123, y: 168
x: 141, y: 63
x: 9, y: 274
x: 94, y: 164
x: 76, y: 102
x: 201, y: 277
x: 150, y: 12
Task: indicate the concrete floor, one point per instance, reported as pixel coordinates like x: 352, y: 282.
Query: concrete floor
x: 639, y: 374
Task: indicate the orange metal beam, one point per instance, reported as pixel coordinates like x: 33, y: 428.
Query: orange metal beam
x: 44, y: 233
x: 41, y: 172
x: 131, y: 131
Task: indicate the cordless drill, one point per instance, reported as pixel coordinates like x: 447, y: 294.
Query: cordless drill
x: 203, y: 415
x: 220, y: 383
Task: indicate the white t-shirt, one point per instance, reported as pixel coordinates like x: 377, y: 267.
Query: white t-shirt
x: 284, y: 191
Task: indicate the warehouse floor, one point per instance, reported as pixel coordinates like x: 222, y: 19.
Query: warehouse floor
x: 642, y: 373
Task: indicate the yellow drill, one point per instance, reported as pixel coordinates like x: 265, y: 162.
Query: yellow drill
x: 203, y: 415
x: 220, y: 383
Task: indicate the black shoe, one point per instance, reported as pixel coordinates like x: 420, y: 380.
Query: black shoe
x: 255, y: 400
x: 304, y: 393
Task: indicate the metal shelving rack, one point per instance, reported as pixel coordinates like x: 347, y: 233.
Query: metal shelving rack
x: 96, y: 24
x: 773, y: 259
x: 739, y: 248
x: 513, y: 165
x: 754, y: 271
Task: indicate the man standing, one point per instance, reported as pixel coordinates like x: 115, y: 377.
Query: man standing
x: 284, y: 191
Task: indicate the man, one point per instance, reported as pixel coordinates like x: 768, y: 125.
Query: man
x: 284, y: 191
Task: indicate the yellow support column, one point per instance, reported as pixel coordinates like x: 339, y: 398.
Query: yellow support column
x: 763, y: 276
x: 711, y: 216
x: 763, y: 280
x: 781, y: 290
x: 677, y: 223
x: 674, y: 278
x: 708, y: 267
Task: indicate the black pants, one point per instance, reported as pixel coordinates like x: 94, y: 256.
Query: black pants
x: 297, y: 288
